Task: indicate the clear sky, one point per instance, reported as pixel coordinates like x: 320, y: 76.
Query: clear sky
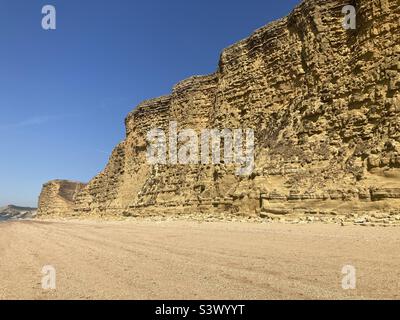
x: 64, y: 93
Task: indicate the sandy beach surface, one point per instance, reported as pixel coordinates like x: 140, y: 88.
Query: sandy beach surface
x: 190, y: 260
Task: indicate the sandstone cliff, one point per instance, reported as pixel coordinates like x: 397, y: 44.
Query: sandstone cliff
x: 58, y: 197
x: 324, y: 103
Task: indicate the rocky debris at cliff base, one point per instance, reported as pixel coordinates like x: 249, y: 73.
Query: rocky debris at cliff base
x: 385, y: 220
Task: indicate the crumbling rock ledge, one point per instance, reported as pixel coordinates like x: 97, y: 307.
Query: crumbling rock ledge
x: 324, y: 103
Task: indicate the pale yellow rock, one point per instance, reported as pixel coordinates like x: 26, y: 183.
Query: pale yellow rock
x: 58, y: 198
x: 323, y: 102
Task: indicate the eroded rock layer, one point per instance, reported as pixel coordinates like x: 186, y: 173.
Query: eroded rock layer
x: 58, y: 197
x: 324, y: 103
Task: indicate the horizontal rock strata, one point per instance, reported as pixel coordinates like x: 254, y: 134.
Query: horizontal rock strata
x: 58, y: 197
x: 324, y: 103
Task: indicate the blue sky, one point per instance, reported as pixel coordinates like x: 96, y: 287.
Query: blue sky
x: 64, y: 93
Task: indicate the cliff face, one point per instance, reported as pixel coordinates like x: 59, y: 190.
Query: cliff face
x: 58, y: 197
x: 324, y: 103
